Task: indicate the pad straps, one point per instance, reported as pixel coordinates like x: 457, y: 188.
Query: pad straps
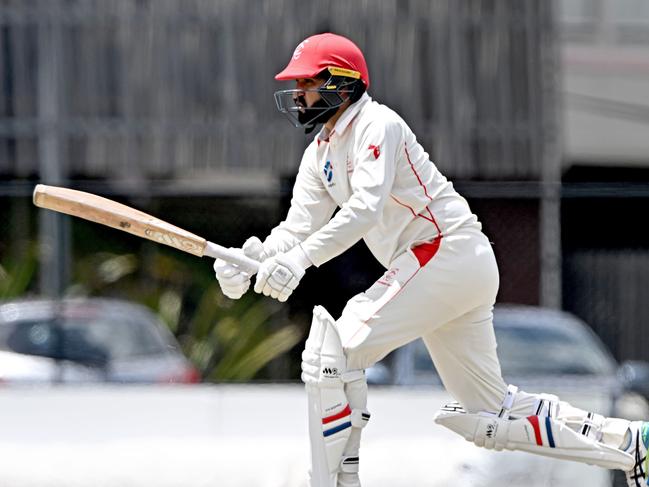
x: 356, y: 389
x: 508, y: 402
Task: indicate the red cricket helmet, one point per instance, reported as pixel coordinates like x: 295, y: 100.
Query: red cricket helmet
x: 326, y: 51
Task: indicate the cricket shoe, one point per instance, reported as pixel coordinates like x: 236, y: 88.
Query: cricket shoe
x: 636, y: 442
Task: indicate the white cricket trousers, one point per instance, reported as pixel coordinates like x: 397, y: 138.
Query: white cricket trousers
x: 444, y: 292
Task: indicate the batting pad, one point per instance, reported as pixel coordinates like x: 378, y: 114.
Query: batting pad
x: 541, y: 435
x: 330, y: 416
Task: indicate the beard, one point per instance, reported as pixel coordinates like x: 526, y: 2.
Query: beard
x: 319, y: 112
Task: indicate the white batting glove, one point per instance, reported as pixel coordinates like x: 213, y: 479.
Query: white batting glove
x: 254, y: 249
x: 233, y: 281
x: 279, y: 276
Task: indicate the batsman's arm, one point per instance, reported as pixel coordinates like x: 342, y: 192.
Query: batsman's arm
x: 311, y: 207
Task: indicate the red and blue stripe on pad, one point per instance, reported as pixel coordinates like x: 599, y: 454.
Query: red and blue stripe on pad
x: 536, y: 424
x: 345, y: 413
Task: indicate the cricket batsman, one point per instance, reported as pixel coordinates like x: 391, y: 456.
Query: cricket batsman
x: 440, y: 282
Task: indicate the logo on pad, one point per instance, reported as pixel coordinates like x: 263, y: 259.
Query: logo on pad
x: 330, y: 372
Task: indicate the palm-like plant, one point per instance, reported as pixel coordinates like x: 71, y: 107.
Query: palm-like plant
x: 234, y: 341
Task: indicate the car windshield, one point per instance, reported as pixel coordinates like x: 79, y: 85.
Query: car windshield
x: 528, y: 350
x: 97, y: 338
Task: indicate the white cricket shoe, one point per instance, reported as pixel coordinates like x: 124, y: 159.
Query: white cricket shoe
x: 636, y: 443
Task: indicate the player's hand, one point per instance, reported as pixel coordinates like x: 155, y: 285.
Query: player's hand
x: 233, y: 281
x: 279, y: 276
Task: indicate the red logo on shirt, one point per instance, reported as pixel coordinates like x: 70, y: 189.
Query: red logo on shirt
x: 376, y: 150
x: 389, y: 276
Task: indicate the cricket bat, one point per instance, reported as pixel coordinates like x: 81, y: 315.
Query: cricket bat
x: 122, y: 217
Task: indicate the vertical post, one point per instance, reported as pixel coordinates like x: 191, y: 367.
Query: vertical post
x: 551, y: 245
x: 53, y: 227
x: 550, y: 204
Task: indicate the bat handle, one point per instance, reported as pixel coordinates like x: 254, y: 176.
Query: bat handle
x: 231, y: 256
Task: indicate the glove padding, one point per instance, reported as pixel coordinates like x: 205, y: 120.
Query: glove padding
x: 233, y: 281
x: 279, y: 276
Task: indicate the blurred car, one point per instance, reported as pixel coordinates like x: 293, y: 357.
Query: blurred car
x: 537, y: 347
x: 88, y: 340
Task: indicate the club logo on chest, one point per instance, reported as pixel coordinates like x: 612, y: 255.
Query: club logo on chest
x: 329, y: 173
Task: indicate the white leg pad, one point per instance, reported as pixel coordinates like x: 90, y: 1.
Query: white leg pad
x: 542, y: 435
x: 330, y: 415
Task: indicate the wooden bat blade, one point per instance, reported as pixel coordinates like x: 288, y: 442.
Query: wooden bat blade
x: 116, y: 215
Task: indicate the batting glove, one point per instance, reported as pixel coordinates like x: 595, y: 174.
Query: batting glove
x: 279, y: 276
x: 233, y: 281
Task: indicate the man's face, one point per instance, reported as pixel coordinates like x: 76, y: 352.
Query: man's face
x: 307, y: 98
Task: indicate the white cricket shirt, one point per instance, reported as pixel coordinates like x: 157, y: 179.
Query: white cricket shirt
x: 389, y: 192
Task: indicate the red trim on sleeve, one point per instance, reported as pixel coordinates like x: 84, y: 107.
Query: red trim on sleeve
x: 412, y: 166
x: 413, y: 211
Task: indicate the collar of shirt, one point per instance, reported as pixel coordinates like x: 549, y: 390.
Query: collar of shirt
x: 346, y: 118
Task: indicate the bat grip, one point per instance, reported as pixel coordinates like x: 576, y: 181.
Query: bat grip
x: 232, y: 256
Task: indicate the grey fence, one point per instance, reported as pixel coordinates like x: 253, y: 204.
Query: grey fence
x: 181, y: 90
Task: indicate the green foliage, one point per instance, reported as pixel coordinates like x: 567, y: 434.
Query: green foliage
x: 16, y: 276
x: 235, y: 340
x: 227, y: 340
